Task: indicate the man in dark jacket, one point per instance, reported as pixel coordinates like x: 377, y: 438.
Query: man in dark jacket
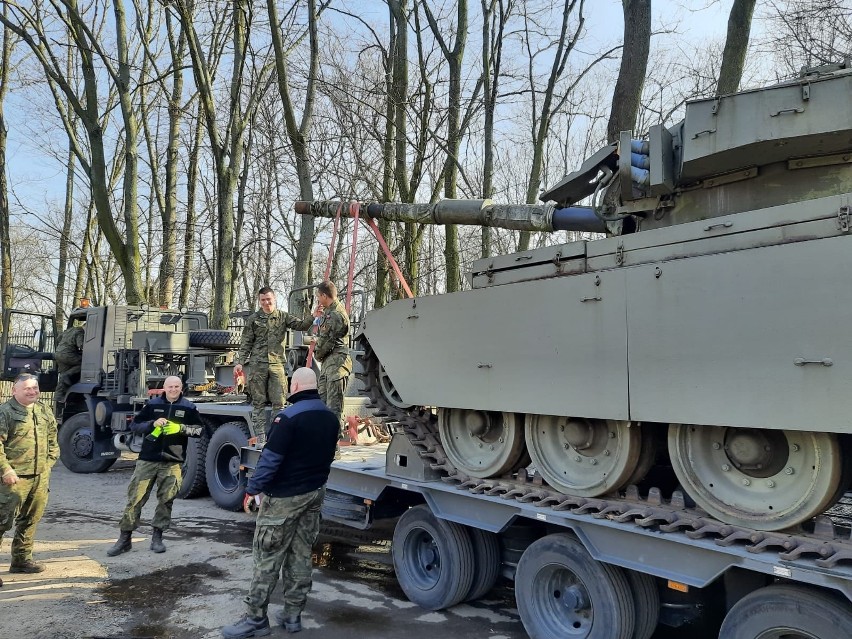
x: 291, y: 475
x: 165, y: 422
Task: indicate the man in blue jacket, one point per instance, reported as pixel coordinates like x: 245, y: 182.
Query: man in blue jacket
x: 291, y: 475
x: 165, y: 422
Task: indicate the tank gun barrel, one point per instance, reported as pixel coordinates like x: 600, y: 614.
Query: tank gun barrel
x: 518, y: 217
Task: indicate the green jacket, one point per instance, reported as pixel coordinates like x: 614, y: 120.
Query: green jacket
x: 265, y: 337
x: 28, y: 443
x: 333, y: 332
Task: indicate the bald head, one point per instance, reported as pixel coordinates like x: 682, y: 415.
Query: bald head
x: 303, y: 379
x: 172, y: 385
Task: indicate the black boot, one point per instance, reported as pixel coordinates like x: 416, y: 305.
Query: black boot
x: 157, y: 541
x: 122, y: 545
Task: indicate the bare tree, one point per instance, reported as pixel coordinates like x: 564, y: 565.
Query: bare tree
x: 634, y: 63
x: 736, y: 45
x: 5, y: 238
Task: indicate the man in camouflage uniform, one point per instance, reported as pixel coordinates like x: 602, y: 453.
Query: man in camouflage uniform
x: 291, y: 475
x: 68, y: 357
x: 165, y: 422
x: 262, y: 347
x: 332, y: 350
x: 28, y: 450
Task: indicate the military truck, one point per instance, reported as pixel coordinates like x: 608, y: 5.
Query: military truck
x: 127, y: 354
x: 650, y: 427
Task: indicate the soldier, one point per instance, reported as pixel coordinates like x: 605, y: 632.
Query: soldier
x: 262, y: 348
x: 291, y: 474
x: 165, y: 422
x: 68, y: 357
x: 28, y: 450
x: 332, y: 350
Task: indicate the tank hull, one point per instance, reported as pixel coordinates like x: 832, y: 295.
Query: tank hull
x: 739, y: 324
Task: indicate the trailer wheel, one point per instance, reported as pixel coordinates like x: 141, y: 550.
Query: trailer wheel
x: 646, y: 601
x: 433, y: 559
x: 226, y: 486
x: 212, y: 338
x: 194, y: 482
x: 76, y: 443
x: 561, y: 591
x: 486, y: 557
x: 788, y: 612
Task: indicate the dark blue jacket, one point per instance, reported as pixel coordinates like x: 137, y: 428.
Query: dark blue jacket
x: 299, y: 450
x: 167, y: 448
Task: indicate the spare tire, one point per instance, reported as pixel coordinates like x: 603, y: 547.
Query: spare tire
x: 213, y: 338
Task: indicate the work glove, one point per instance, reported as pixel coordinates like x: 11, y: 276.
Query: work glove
x: 172, y: 428
x: 152, y: 436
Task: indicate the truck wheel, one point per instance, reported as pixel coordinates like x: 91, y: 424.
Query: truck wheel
x: 486, y: 556
x: 790, y: 612
x: 433, y: 559
x: 646, y: 601
x: 227, y: 487
x: 76, y: 443
x: 561, y: 591
x: 194, y: 483
x: 211, y: 338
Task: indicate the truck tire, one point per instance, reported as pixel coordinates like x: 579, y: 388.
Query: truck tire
x: 212, y: 338
x: 194, y: 482
x: 646, y: 601
x: 75, y: 446
x: 486, y: 556
x: 788, y: 611
x: 561, y: 591
x: 226, y: 484
x: 433, y: 559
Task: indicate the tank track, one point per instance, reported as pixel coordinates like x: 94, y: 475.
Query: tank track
x: 828, y: 542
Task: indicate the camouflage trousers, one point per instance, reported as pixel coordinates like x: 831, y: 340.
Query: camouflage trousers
x: 287, y: 528
x: 332, y: 381
x: 22, y: 505
x: 64, y: 381
x: 266, y: 384
x: 167, y: 476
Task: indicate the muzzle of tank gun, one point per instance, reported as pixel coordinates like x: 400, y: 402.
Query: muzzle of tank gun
x: 517, y: 217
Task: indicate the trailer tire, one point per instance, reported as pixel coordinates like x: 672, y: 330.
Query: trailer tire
x: 433, y: 559
x: 794, y: 610
x: 212, y: 338
x: 194, y: 479
x: 646, y: 601
x: 75, y: 446
x: 226, y: 484
x: 486, y: 558
x: 562, y: 591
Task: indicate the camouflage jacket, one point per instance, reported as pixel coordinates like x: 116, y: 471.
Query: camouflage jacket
x: 333, y: 332
x: 69, y: 351
x: 265, y: 336
x: 28, y: 445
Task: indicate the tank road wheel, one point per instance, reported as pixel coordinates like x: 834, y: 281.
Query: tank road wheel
x: 585, y: 457
x: 226, y: 485
x: 788, y: 612
x: 433, y: 559
x: 562, y: 592
x: 763, y: 479
x: 481, y: 443
x: 76, y: 445
x: 388, y: 390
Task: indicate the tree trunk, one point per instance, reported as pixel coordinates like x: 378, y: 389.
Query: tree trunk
x: 627, y: 95
x: 6, y: 299
x: 736, y: 45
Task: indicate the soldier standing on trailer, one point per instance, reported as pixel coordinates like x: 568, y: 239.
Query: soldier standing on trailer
x: 332, y: 350
x: 28, y: 450
x: 262, y: 348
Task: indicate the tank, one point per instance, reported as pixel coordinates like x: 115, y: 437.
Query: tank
x: 697, y: 351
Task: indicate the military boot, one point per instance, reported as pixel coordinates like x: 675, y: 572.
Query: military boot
x: 28, y: 566
x: 247, y: 627
x: 122, y: 545
x: 157, y: 541
x: 291, y: 623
